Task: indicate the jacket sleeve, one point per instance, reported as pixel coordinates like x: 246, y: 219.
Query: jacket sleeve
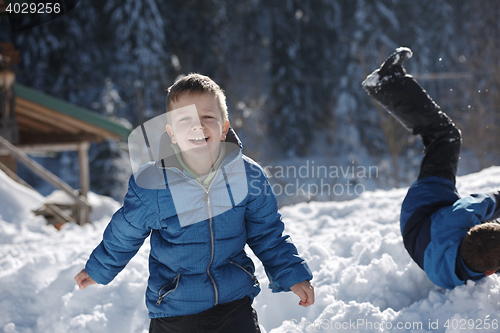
x: 496, y: 213
x: 448, y: 228
x: 264, y: 226
x: 482, y: 205
x: 123, y: 237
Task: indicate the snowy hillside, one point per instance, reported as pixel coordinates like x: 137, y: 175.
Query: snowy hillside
x: 364, y: 278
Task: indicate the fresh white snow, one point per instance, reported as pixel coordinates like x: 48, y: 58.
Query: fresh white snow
x: 363, y: 277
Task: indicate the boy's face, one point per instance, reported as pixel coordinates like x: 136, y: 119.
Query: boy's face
x: 196, y: 125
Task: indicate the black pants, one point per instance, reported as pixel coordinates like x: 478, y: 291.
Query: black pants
x: 237, y: 316
x: 441, y: 155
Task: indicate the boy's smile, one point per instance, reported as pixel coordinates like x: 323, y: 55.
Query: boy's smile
x: 198, y: 129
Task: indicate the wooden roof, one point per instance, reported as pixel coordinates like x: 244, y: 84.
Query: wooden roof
x: 43, y: 119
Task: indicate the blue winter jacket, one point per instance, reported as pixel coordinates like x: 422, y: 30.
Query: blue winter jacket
x: 198, y: 235
x: 434, y: 220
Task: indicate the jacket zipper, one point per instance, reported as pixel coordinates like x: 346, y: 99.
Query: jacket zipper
x: 212, y: 243
x: 212, y: 240
x: 254, y: 278
x: 160, y: 296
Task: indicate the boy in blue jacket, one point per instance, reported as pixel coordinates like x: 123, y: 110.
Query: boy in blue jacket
x: 200, y: 201
x: 447, y: 236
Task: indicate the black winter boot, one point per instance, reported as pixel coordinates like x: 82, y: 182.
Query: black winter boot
x: 409, y: 103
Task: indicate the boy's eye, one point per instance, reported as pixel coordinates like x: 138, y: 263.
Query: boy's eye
x: 185, y: 118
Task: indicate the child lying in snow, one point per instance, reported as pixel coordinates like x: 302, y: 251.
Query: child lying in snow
x: 448, y: 237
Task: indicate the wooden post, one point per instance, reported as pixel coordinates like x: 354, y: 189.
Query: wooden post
x: 83, y: 159
x: 8, y: 126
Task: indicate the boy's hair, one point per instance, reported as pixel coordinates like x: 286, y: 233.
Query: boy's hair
x: 480, y: 248
x: 195, y: 83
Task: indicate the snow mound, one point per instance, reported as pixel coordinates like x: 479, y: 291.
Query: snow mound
x: 17, y: 200
x: 364, y: 279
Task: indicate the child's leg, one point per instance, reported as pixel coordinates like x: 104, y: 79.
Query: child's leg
x: 409, y: 103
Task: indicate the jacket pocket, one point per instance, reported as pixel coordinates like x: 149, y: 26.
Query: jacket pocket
x: 256, y: 282
x: 168, y: 288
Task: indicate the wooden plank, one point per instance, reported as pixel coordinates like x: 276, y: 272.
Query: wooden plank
x: 28, y: 138
x: 45, y: 117
x: 39, y: 112
x: 60, y: 215
x: 44, y: 173
x: 29, y: 124
x: 14, y: 176
x: 64, y: 121
x: 41, y: 149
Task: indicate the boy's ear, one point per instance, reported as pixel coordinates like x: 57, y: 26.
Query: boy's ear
x: 171, y: 133
x: 488, y: 273
x: 225, y: 129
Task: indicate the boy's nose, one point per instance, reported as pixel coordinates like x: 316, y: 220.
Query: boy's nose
x: 197, y: 126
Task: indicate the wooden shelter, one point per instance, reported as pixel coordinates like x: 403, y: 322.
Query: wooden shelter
x: 32, y: 122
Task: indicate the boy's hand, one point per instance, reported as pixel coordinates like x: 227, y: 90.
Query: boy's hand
x: 305, y: 291
x: 83, y: 280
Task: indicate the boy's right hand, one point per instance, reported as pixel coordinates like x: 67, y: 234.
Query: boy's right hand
x: 83, y: 279
x: 305, y: 291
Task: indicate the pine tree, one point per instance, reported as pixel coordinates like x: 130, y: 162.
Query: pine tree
x: 479, y: 117
x: 378, y: 28
x: 291, y: 69
x: 302, y: 72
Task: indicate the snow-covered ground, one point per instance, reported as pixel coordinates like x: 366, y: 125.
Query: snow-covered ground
x: 364, y: 279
